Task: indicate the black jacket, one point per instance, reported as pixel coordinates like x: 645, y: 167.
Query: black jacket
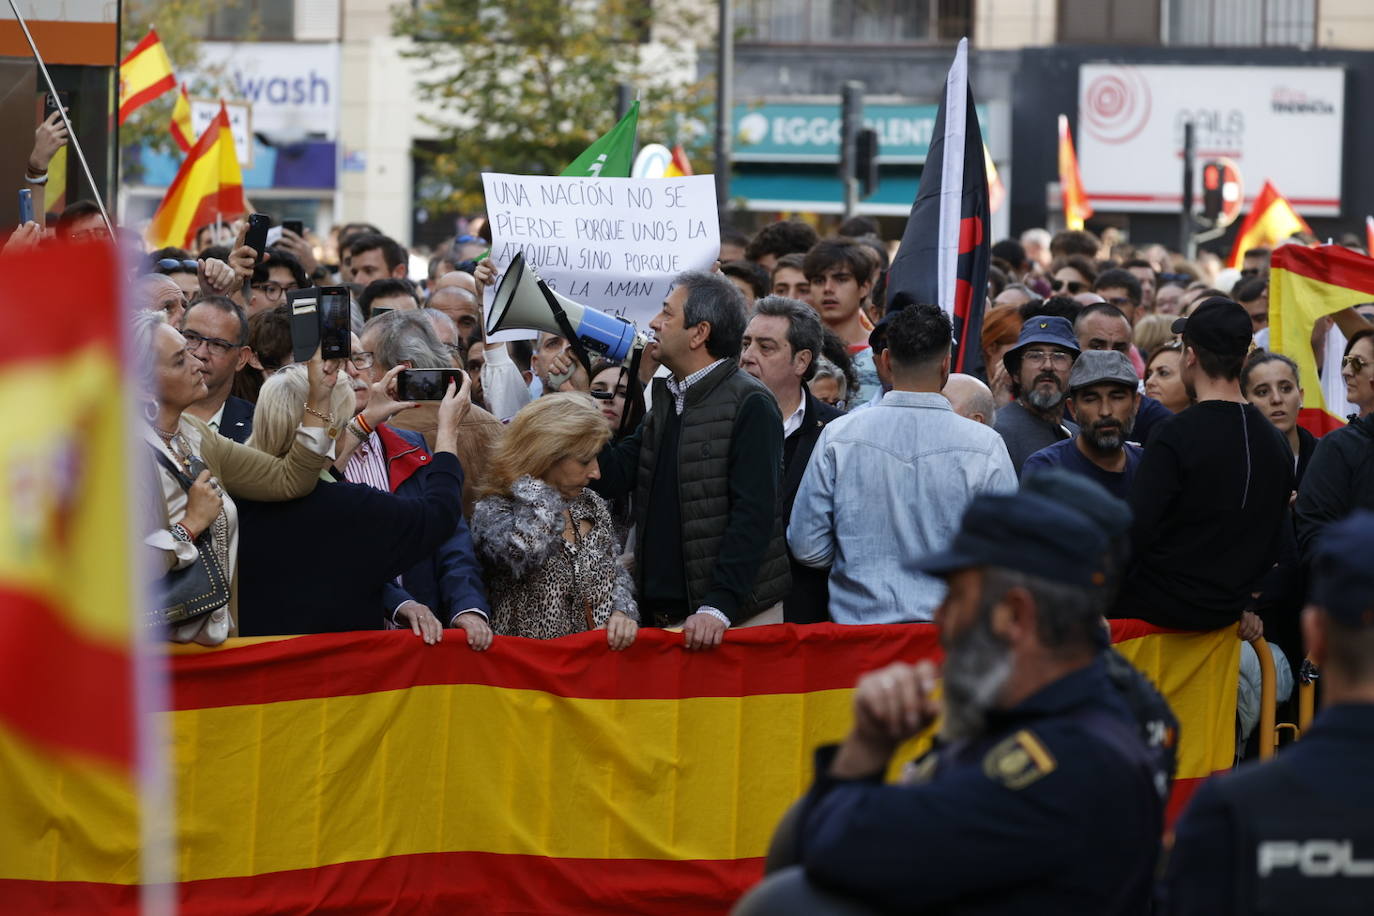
x: 236, y: 422
x: 317, y: 564
x: 809, y: 600
x: 1339, y: 479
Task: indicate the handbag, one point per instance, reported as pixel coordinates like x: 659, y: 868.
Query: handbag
x: 195, y: 590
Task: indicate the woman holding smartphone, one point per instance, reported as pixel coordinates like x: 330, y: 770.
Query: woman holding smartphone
x: 196, y: 475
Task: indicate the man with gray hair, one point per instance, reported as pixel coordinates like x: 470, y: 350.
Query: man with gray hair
x: 780, y: 348
x: 705, y: 468
x: 457, y: 295
x: 970, y: 398
x: 407, y: 339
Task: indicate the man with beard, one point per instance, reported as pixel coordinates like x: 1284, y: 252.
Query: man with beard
x: 1102, y: 390
x: 1039, y: 367
x: 1042, y: 796
x: 1211, y: 493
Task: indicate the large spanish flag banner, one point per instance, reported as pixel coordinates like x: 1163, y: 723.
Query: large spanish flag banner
x: 1076, y: 206
x: 208, y: 188
x: 1305, y: 284
x: 183, y: 131
x: 68, y: 809
x: 1271, y: 220
x: 144, y: 75
x: 366, y: 772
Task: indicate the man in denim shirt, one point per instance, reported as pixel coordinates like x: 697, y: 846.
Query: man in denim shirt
x: 889, y: 484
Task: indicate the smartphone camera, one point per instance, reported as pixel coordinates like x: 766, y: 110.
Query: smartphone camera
x: 426, y: 384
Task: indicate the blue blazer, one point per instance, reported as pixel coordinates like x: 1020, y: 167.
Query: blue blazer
x: 450, y: 579
x: 237, y: 420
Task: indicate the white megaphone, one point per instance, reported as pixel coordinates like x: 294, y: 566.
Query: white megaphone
x: 525, y: 301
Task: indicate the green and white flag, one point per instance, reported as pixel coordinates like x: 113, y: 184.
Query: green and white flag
x: 612, y: 154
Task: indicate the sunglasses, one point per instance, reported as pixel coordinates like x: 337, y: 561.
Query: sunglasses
x: 1073, y: 286
x: 173, y: 265
x: 1354, y: 364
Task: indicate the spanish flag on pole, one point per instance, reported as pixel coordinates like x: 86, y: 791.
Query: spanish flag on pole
x: 1271, y: 220
x: 183, y: 131
x: 679, y: 165
x: 1305, y: 284
x: 1076, y: 206
x: 69, y: 748
x: 144, y: 75
x: 208, y: 187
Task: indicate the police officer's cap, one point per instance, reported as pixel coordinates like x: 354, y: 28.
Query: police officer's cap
x: 1026, y: 532
x: 1342, y: 574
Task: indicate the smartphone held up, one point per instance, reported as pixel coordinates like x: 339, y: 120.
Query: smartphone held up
x: 427, y: 384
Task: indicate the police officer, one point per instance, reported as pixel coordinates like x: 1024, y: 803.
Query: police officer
x: 1042, y: 798
x: 1296, y: 834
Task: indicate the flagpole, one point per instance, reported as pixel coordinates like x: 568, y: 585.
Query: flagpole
x: 71, y: 131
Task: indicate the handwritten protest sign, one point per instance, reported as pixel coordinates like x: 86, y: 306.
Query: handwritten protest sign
x: 614, y: 244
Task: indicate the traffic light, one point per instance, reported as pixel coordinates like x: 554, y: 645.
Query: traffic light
x: 1221, y: 192
x: 1211, y: 190
x: 866, y: 161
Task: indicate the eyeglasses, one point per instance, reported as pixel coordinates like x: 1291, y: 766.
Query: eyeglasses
x: 454, y: 349
x: 1058, y: 358
x: 1073, y: 286
x: 273, y: 291
x: 173, y: 265
x: 218, y: 344
x: 1355, y: 364
x: 363, y: 359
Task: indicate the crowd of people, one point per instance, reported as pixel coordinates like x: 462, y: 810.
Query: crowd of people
x: 788, y: 449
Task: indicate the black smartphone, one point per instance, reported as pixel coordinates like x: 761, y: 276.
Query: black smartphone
x: 426, y: 384
x: 294, y: 225
x: 25, y: 206
x: 256, y: 237
x: 335, y: 326
x: 50, y: 103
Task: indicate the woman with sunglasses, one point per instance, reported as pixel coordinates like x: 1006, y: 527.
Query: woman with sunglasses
x: 1340, y: 477
x: 1072, y: 275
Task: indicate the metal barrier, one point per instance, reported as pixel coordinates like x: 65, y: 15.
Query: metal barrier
x: 1268, y: 731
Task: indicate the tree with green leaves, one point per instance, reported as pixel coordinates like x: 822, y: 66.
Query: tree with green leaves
x: 523, y: 86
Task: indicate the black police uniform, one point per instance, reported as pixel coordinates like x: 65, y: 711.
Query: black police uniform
x: 1295, y: 835
x: 1055, y: 809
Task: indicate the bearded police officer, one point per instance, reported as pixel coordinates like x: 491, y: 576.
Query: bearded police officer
x: 1296, y: 834
x: 1042, y: 798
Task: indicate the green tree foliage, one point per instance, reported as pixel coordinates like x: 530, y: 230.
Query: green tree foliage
x: 523, y: 86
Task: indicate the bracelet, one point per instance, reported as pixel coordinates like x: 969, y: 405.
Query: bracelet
x: 367, y: 427
x: 181, y: 532
x: 327, y: 418
x: 353, y: 428
x: 41, y: 179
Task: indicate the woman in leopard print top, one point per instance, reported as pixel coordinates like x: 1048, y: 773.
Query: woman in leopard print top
x: 546, y: 542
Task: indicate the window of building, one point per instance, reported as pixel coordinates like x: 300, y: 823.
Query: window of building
x: 874, y: 22
x: 1246, y: 23
x: 251, y: 20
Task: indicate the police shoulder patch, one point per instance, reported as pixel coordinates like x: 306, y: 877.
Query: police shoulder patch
x: 1018, y: 761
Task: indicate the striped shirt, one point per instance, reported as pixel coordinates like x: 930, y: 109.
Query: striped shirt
x: 679, y: 389
x: 367, y: 465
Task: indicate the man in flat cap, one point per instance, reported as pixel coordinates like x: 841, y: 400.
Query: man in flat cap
x: 1104, y: 395
x: 1296, y: 834
x: 1042, y: 797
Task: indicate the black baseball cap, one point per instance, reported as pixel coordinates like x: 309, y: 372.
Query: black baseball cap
x: 1218, y: 325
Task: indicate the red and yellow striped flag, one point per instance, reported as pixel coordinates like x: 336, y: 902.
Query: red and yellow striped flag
x: 183, y: 131
x: 1271, y: 220
x: 679, y: 165
x: 144, y: 75
x: 68, y: 796
x: 1076, y: 206
x: 1305, y: 284
x: 356, y: 772
x: 208, y: 188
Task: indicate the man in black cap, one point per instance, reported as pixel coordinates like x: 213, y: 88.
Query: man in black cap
x: 1296, y: 834
x: 1211, y: 492
x: 1043, y: 797
x: 1039, y: 367
x: 1102, y: 391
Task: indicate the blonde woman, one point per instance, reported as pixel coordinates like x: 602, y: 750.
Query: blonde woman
x: 546, y: 542
x: 189, y: 506
x: 321, y: 564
